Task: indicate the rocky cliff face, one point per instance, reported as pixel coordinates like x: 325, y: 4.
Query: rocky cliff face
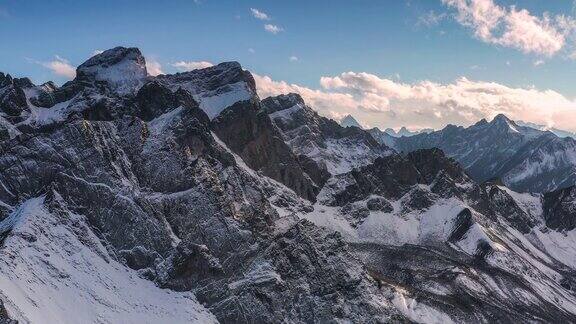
x: 560, y: 209
x: 184, y: 198
x: 135, y: 164
x: 322, y: 146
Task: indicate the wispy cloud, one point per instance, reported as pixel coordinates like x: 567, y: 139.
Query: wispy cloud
x: 251, y: 50
x: 428, y: 104
x: 544, y: 35
x: 273, y: 29
x: 59, y: 66
x: 153, y: 67
x: 191, y: 65
x: 259, y: 14
x: 293, y: 58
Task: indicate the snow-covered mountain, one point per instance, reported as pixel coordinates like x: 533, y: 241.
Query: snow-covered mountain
x: 185, y: 198
x: 403, y: 131
x: 556, y: 131
x: 349, y: 121
x: 389, y: 136
x: 524, y: 158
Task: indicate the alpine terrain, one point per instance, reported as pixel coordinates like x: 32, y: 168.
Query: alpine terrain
x: 187, y: 198
x: 524, y: 158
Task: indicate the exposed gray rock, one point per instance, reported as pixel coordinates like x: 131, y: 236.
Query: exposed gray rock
x: 192, y: 183
x: 560, y: 209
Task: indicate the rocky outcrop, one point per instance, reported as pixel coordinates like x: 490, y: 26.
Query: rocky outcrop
x: 247, y: 130
x: 560, y: 209
x: 323, y: 146
x: 12, y: 97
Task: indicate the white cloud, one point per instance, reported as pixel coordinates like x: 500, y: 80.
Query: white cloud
x: 320, y: 100
x: 293, y: 58
x: 191, y: 65
x: 480, y: 15
x: 60, y: 66
x: 273, y: 29
x: 531, y: 34
x: 259, y: 14
x: 251, y: 50
x: 423, y: 104
x: 538, y: 62
x: 515, y: 28
x: 153, y: 67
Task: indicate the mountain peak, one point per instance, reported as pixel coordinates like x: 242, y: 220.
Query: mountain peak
x: 501, y: 118
x: 504, y: 123
x: 112, y: 57
x: 5, y: 79
x: 349, y: 121
x: 120, y: 67
x: 481, y: 122
x: 281, y: 102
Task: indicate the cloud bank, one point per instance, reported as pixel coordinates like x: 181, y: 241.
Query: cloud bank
x: 387, y: 103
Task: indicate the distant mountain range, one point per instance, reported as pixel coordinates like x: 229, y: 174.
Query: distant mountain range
x: 558, y: 132
x: 350, y: 121
x: 524, y: 158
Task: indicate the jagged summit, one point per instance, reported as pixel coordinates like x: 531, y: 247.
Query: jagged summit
x: 481, y: 122
x: 326, y: 146
x: 283, y: 101
x: 112, y: 57
x: 403, y: 131
x: 216, y: 87
x: 502, y: 123
x: 501, y: 118
x: 349, y: 121
x: 122, y: 68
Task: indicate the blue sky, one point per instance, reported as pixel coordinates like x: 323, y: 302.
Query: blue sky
x: 404, y: 41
